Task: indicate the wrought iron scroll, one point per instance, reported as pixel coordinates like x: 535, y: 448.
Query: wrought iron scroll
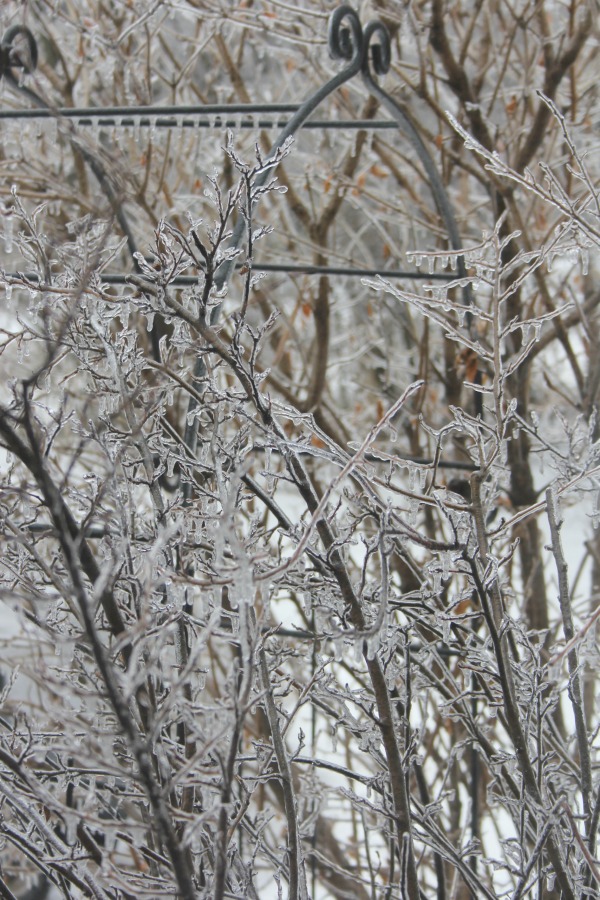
x: 14, y: 55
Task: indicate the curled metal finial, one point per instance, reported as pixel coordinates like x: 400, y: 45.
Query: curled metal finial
x: 13, y: 55
x: 369, y: 47
x: 345, y: 38
x: 380, y: 58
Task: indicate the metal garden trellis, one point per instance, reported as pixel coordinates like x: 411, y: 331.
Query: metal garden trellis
x: 364, y: 51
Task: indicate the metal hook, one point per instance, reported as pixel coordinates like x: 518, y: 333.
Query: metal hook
x: 11, y: 54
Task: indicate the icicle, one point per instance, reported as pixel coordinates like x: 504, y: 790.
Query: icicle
x: 22, y: 352
x: 431, y: 264
x: 418, y: 261
x: 8, y: 288
x: 268, y: 473
x: 412, y: 477
x: 445, y: 260
x: 413, y: 509
x: 462, y: 533
x: 136, y: 129
x: 525, y: 329
x: 537, y: 330
x: 596, y: 511
x: 306, y: 601
x: 446, y: 560
x: 150, y: 320
x: 585, y: 259
x: 446, y: 632
x: 8, y: 233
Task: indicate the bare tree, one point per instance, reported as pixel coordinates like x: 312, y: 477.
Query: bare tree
x: 299, y: 570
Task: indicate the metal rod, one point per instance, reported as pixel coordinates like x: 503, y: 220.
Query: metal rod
x: 191, y: 280
x: 167, y: 117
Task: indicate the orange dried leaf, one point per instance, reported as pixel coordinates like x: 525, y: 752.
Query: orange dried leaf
x: 378, y: 171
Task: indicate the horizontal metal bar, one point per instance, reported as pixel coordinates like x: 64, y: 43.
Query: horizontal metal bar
x: 78, y: 112
x: 291, y: 269
x: 107, y: 118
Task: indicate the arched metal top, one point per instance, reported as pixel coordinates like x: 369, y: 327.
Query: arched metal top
x: 366, y: 50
